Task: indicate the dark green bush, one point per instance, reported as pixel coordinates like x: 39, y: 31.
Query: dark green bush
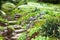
x: 51, y: 27
x: 50, y: 1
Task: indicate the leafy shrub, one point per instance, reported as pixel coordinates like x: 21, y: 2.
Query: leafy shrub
x: 51, y: 27
x: 50, y: 1
x: 8, y: 6
x: 40, y: 38
x: 22, y: 37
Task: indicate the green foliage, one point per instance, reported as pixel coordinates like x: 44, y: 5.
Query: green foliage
x: 50, y: 1
x: 50, y: 28
x: 47, y: 15
x: 44, y: 38
x: 11, y: 27
x: 8, y: 7
x: 32, y: 31
x: 22, y: 37
x: 1, y: 38
x: 40, y: 38
x: 2, y: 20
x: 1, y: 28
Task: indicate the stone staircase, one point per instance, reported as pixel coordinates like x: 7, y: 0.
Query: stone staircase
x: 17, y: 32
x: 8, y: 34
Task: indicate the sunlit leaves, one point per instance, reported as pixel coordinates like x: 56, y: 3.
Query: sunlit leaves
x: 22, y: 37
x: 8, y: 6
x: 32, y: 31
x: 1, y: 38
x: 41, y: 38
x: 39, y: 23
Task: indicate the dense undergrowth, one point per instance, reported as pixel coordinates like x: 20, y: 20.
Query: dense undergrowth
x: 42, y: 20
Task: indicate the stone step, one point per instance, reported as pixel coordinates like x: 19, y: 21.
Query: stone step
x: 20, y: 31
x: 12, y: 22
x: 13, y: 33
x: 3, y: 24
x: 16, y: 36
x: 17, y: 27
x: 1, y: 32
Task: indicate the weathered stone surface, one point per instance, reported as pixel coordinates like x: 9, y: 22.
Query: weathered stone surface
x: 17, y: 26
x: 19, y: 31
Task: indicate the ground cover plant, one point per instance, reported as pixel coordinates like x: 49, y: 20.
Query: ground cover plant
x: 29, y: 20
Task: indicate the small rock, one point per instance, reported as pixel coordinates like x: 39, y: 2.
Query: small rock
x: 28, y: 26
x: 32, y: 18
x: 17, y: 16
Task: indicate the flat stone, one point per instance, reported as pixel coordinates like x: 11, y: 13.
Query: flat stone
x: 17, y: 35
x: 12, y: 21
x: 17, y: 26
x: 20, y: 31
x: 14, y: 38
